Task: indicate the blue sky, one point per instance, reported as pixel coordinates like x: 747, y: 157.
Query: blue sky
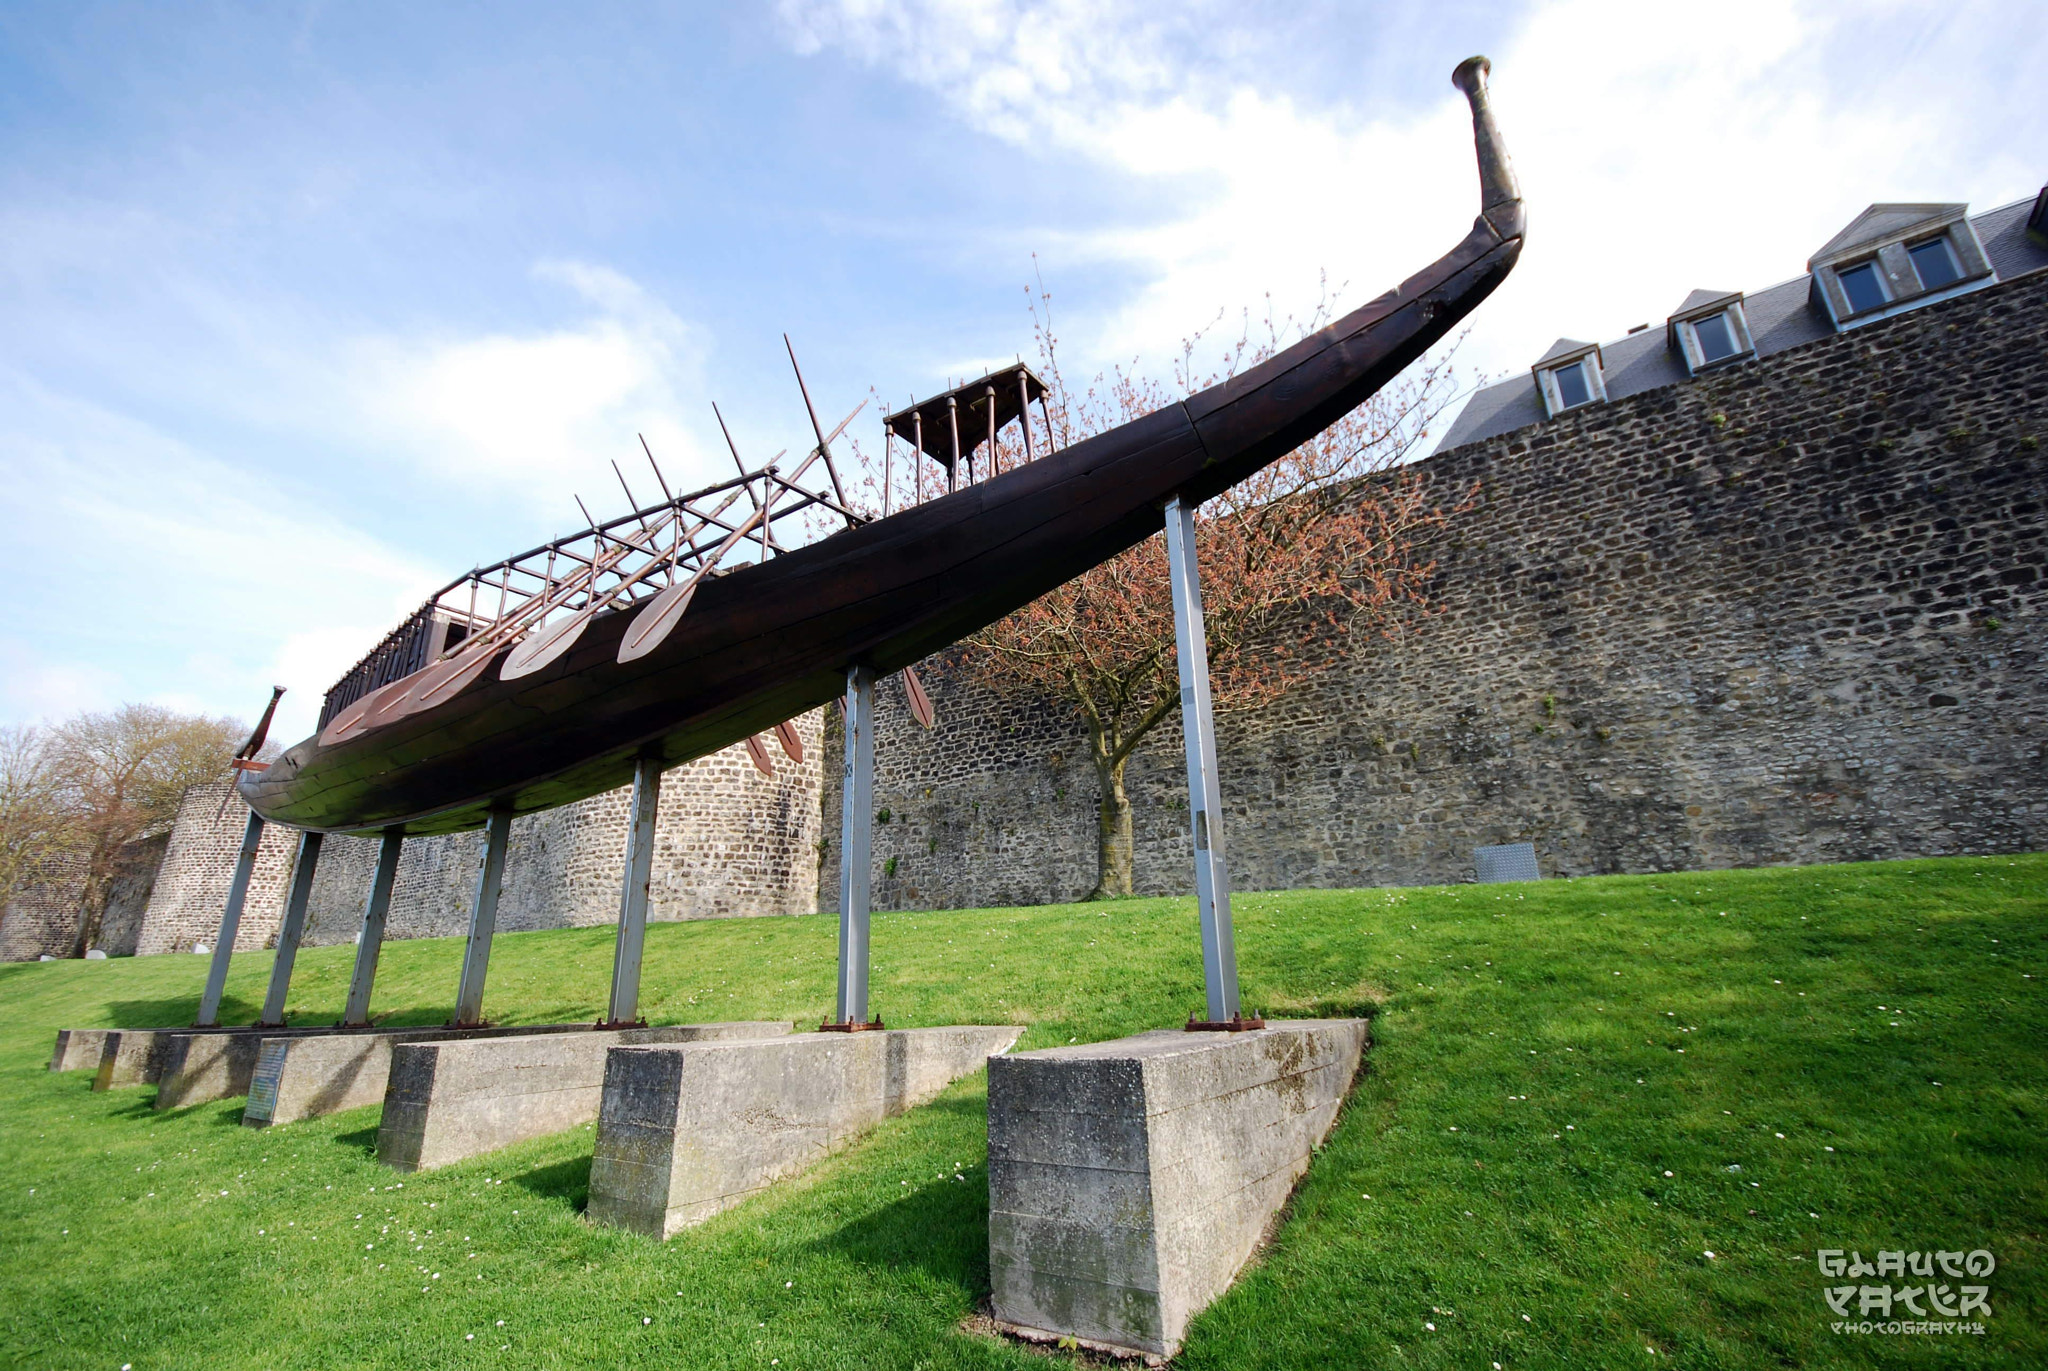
x: 306, y: 308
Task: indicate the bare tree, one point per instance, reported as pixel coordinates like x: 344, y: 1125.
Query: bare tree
x: 36, y: 822
x: 124, y: 772
x: 1318, y: 545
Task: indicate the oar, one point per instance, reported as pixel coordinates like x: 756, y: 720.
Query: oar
x: 920, y: 703
x: 465, y: 661
x: 741, y: 464
x: 792, y: 745
x: 654, y: 623
x: 824, y: 443
x: 544, y: 647
x: 245, y: 756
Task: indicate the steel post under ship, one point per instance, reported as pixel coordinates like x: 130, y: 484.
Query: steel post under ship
x: 770, y: 640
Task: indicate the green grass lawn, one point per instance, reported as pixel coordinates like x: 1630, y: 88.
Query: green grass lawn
x: 1538, y: 1159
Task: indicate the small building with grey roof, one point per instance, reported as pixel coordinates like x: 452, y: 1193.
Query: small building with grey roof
x: 1888, y: 260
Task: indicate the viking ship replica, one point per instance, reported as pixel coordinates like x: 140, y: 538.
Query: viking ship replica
x: 694, y: 623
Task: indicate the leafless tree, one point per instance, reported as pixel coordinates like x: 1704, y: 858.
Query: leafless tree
x: 124, y: 772
x: 1323, y: 543
x: 36, y: 822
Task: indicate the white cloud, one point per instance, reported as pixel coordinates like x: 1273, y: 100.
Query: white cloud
x: 532, y: 416
x: 35, y: 687
x: 1661, y: 147
x: 148, y: 570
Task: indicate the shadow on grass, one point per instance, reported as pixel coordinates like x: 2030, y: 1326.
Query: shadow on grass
x: 363, y: 1140
x: 568, y: 1181
x: 940, y: 1226
x: 174, y: 1011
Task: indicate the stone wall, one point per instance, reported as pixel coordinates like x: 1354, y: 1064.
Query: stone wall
x: 42, y: 918
x: 1788, y: 612
x: 729, y: 842
x: 129, y: 894
x: 191, y: 886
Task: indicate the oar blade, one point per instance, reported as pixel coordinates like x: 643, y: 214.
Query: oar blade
x: 656, y: 621
x: 792, y: 745
x: 542, y: 647
x: 920, y: 703
x: 758, y: 750
x: 354, y: 721
x: 443, y: 681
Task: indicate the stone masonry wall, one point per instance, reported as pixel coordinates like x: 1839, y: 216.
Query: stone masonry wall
x: 1789, y: 612
x: 729, y: 842
x: 41, y: 920
x: 191, y: 886
x: 129, y: 894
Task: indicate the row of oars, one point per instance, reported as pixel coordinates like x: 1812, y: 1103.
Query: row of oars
x: 793, y: 747
x: 538, y: 642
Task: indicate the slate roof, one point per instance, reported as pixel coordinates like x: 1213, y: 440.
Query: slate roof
x: 1780, y: 317
x: 1880, y: 221
x: 1563, y: 347
x: 1703, y: 297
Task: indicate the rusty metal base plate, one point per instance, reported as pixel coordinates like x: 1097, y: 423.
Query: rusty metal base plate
x: 1235, y: 1024
x: 855, y: 1026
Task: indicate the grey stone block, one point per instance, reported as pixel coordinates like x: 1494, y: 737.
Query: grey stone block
x: 688, y: 1132
x: 78, y: 1048
x: 135, y: 1056
x: 447, y: 1101
x: 198, y: 1067
x: 304, y: 1077
x: 1130, y: 1180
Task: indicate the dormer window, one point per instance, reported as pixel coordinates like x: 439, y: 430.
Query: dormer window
x: 1863, y: 286
x: 1710, y: 329
x: 1569, y: 375
x: 1896, y: 257
x: 1573, y: 389
x: 1716, y: 337
x: 1934, y: 262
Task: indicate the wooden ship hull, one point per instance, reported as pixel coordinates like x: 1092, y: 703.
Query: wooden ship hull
x: 771, y: 640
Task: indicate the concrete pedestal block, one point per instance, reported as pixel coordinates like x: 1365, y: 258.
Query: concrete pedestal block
x: 448, y: 1101
x: 79, y: 1049
x: 135, y: 1056
x: 1130, y: 1180
x: 308, y: 1076
x: 131, y: 1056
x: 687, y: 1132
x: 195, y: 1068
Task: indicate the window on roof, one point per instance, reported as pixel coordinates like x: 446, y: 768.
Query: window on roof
x: 1572, y: 389
x: 1935, y: 261
x: 1861, y: 285
x: 1717, y: 337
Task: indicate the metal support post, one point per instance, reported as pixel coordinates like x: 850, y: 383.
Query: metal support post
x: 483, y: 921
x: 230, y: 923
x: 625, y: 1002
x: 294, y: 927
x: 856, y: 852
x: 1212, y: 878
x: 370, y: 942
